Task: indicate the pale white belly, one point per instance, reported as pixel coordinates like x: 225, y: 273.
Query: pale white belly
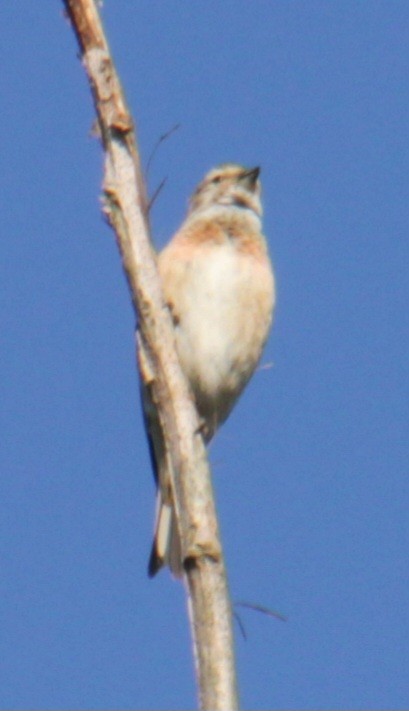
x: 223, y: 316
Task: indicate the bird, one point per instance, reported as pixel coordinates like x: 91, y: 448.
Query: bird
x: 218, y: 283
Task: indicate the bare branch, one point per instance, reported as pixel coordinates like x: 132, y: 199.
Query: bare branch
x: 126, y: 208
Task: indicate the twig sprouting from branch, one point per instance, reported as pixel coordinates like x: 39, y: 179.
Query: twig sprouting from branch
x: 161, y: 139
x: 261, y: 608
x: 156, y: 193
x: 240, y: 624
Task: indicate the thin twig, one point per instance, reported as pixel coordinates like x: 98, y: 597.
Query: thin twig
x: 156, y: 193
x: 161, y: 139
x: 240, y: 624
x: 261, y: 608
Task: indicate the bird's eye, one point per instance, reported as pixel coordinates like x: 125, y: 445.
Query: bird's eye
x: 216, y: 179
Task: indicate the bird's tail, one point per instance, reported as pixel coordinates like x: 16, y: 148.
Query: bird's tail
x: 166, y: 548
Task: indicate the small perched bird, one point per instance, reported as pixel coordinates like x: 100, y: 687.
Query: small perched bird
x: 218, y: 282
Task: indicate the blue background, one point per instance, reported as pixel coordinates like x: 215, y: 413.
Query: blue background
x: 311, y: 470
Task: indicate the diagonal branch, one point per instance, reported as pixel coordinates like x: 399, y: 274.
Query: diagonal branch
x: 126, y: 208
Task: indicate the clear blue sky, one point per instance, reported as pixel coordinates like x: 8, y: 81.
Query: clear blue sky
x: 311, y: 471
